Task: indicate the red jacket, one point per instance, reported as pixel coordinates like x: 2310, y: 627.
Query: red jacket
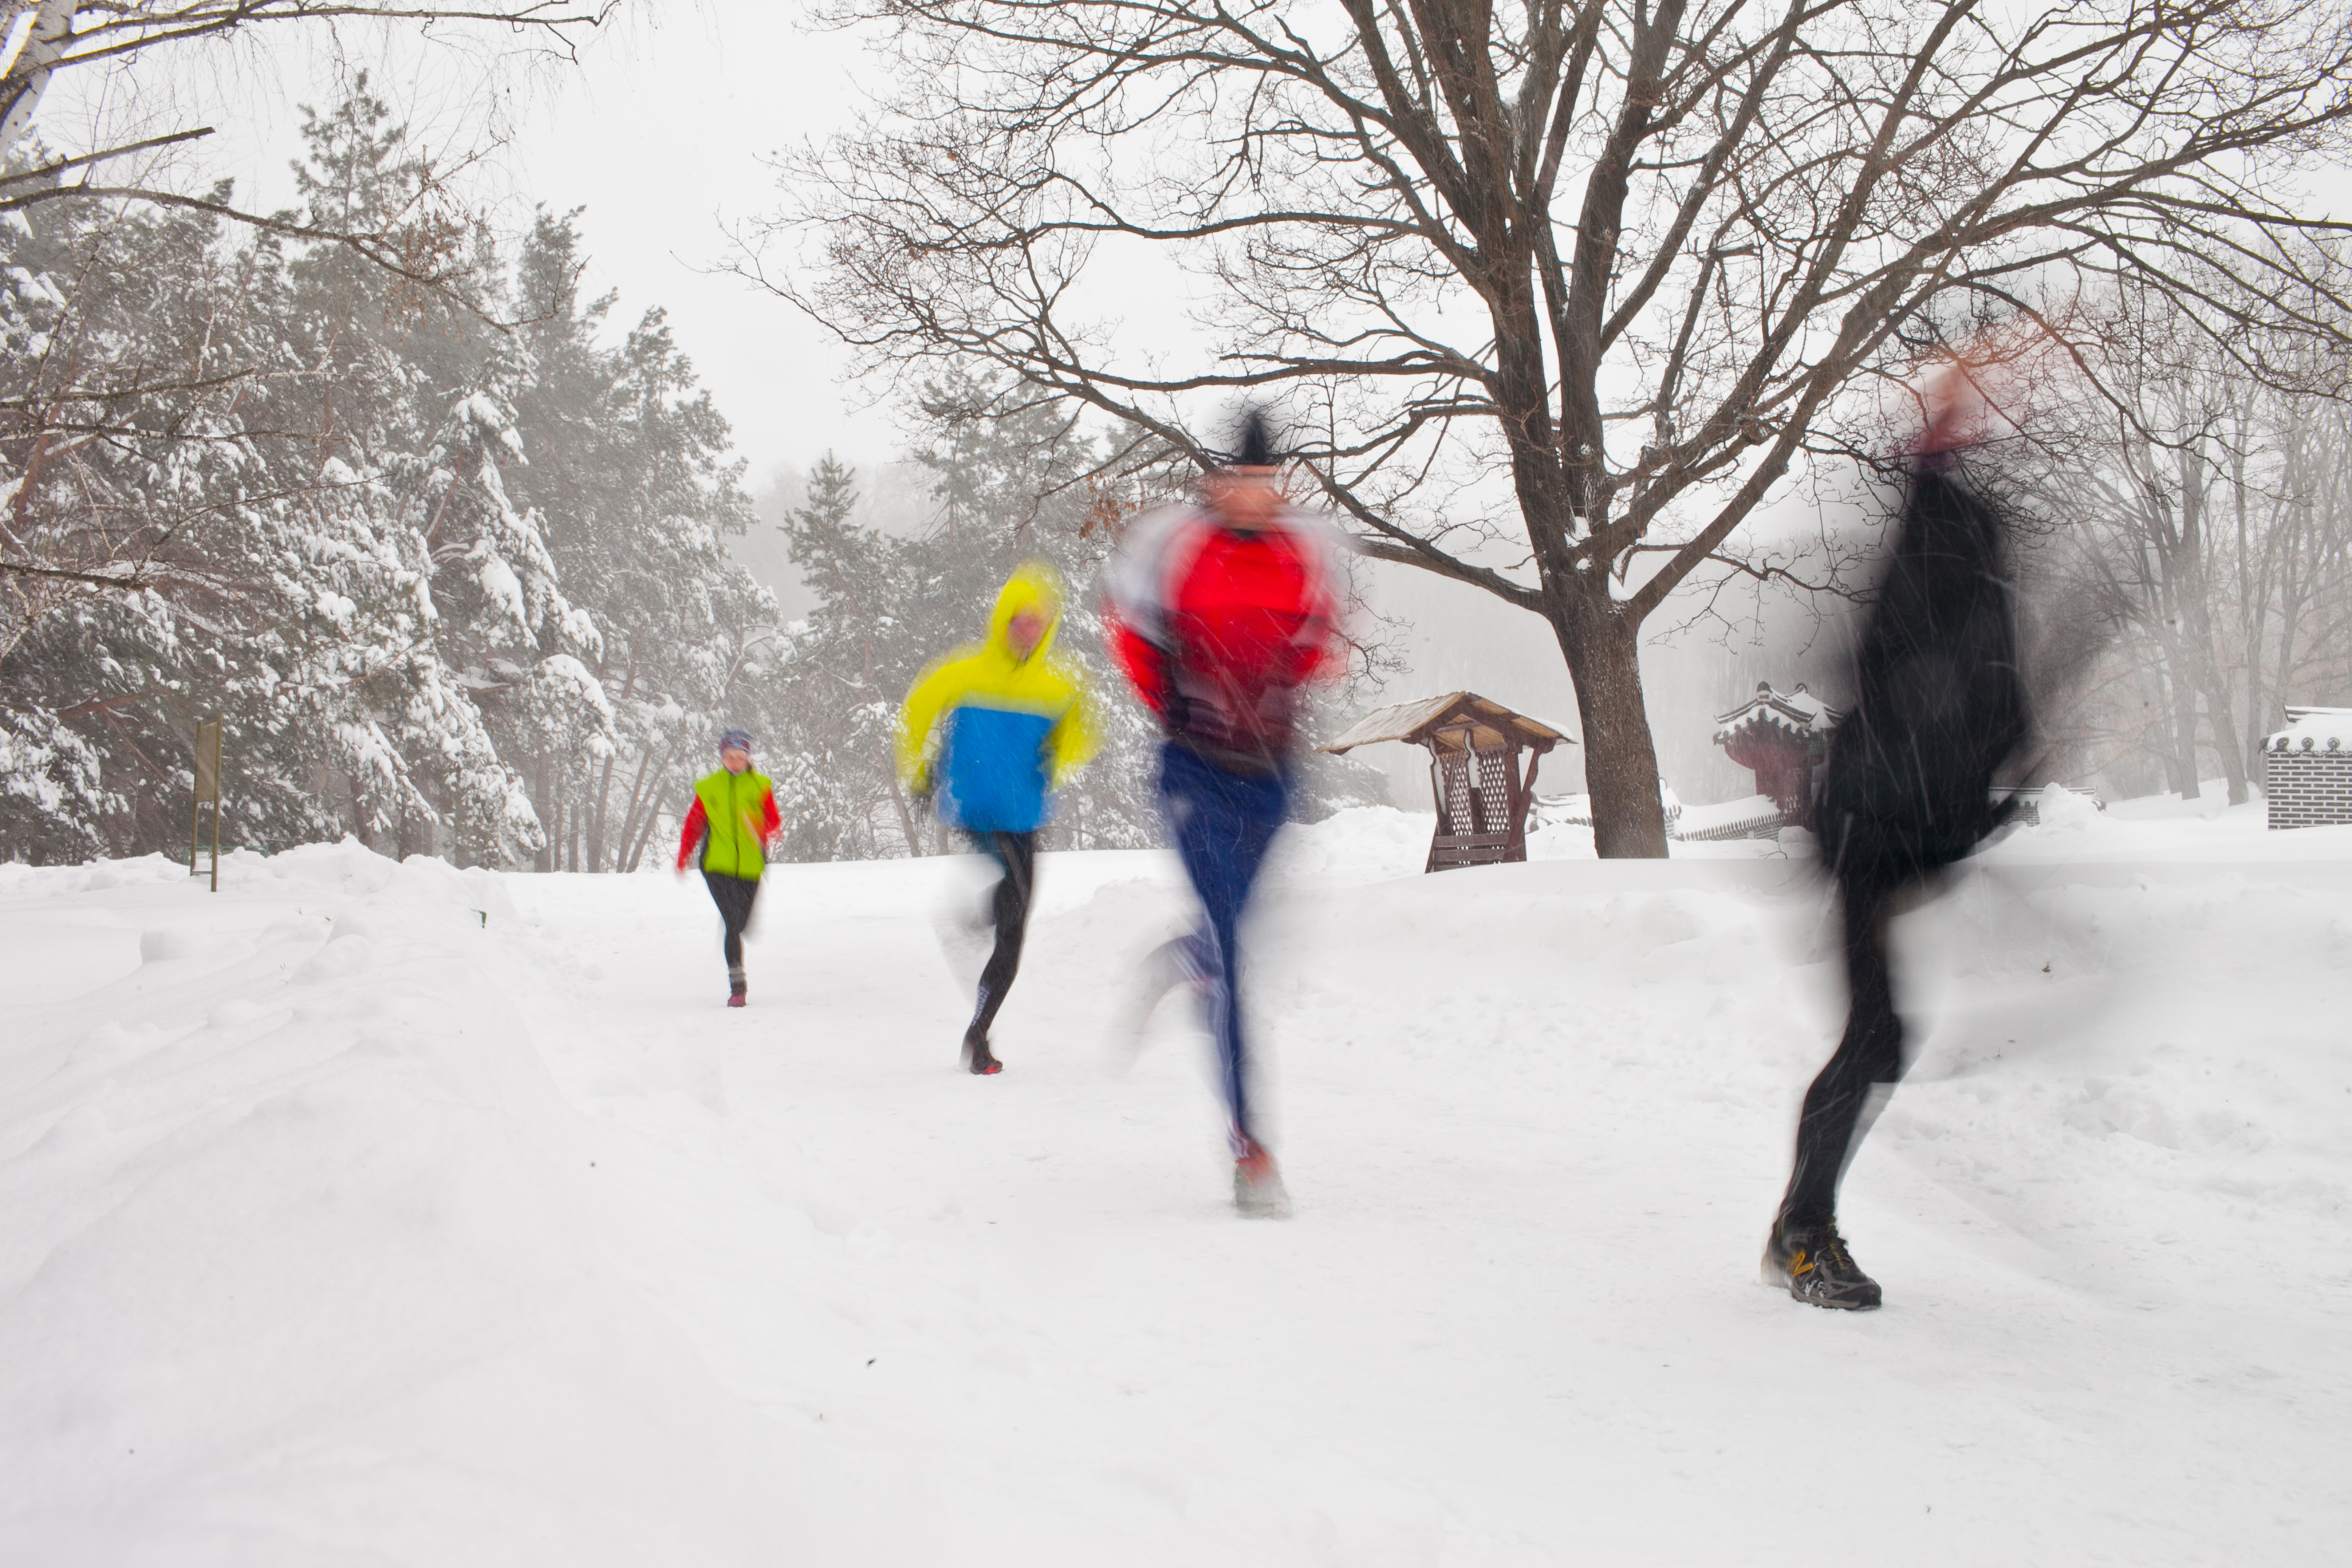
x: 1218, y: 627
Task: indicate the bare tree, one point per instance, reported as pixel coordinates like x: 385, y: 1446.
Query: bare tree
x: 2148, y: 485
x: 2291, y: 565
x: 2205, y: 520
x: 40, y: 38
x: 72, y: 392
x: 1565, y: 290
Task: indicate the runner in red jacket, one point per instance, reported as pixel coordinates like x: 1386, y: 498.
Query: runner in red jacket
x: 1218, y: 614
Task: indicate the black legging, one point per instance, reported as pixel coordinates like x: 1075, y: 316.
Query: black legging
x: 733, y: 896
x: 1017, y: 854
x: 1838, y: 1105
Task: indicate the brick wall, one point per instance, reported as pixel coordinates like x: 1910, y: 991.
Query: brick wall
x: 2308, y: 789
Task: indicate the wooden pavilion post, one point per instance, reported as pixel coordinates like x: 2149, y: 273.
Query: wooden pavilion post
x: 1523, y: 797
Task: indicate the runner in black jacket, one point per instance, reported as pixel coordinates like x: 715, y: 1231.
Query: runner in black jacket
x: 1939, y: 708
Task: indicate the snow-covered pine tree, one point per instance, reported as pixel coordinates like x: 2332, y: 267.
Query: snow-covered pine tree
x: 846, y: 667
x: 630, y: 466
x: 274, y: 486
x: 417, y: 405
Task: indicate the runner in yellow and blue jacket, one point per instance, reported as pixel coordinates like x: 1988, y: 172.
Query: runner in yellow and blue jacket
x: 988, y: 734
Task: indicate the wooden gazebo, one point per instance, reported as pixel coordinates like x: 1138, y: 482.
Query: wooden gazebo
x: 1474, y: 771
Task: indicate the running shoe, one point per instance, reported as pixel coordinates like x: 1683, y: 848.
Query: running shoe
x: 1812, y: 1263
x: 1258, y: 1192
x: 977, y: 1058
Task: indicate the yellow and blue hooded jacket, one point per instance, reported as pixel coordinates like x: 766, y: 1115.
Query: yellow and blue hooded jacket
x: 989, y: 735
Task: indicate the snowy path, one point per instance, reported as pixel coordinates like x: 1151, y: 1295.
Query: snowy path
x: 800, y: 1286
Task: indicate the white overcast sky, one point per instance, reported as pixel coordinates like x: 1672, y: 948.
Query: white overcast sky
x: 659, y: 134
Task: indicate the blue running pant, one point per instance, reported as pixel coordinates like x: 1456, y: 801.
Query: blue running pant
x: 1223, y: 824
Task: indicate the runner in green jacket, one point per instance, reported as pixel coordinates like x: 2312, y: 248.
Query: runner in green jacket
x: 733, y: 816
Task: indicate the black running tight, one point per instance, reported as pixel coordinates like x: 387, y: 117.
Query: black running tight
x: 1015, y: 855
x: 1845, y: 1098
x: 734, y: 897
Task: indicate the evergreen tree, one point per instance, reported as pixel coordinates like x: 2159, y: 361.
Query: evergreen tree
x: 630, y: 465
x: 846, y: 667
x: 456, y: 587
x: 377, y: 535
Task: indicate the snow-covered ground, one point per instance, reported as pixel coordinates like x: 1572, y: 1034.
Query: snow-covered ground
x: 372, y: 1214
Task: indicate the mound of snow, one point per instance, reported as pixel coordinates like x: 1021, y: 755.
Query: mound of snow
x: 1358, y: 844
x: 2062, y: 810
x: 390, y: 1214
x: 311, y: 1249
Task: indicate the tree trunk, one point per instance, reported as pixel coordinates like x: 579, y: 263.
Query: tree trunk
x: 644, y: 834
x: 2203, y: 668
x: 597, y: 822
x: 2184, y: 729
x: 2290, y: 625
x: 625, y: 846
x: 2250, y: 744
x: 2225, y: 739
x: 906, y: 827
x: 356, y: 809
x: 2253, y: 611
x: 545, y: 799
x: 1603, y: 647
x: 596, y: 817
x: 45, y: 40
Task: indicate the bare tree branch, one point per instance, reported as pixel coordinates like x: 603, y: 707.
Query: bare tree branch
x: 1778, y: 213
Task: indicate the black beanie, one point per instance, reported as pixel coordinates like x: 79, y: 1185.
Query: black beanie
x: 1255, y: 448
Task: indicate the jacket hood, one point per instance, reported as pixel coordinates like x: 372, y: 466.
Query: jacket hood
x: 1032, y: 583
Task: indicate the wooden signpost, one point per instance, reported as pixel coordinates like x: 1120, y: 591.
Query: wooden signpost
x: 208, y: 788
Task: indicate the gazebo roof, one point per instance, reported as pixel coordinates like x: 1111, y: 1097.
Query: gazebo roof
x: 1441, y: 722
x: 1797, y: 713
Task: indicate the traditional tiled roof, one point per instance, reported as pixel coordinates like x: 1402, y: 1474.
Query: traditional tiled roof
x: 1800, y: 713
x: 2314, y: 730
